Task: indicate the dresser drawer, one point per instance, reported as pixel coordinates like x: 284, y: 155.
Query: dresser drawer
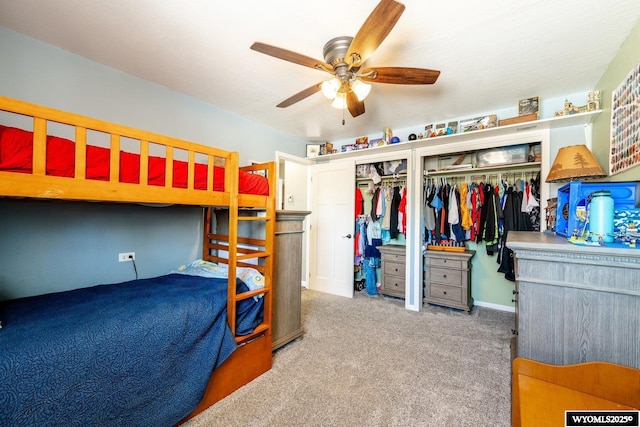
x: 444, y: 262
x: 391, y: 257
x: 446, y: 276
x: 450, y: 293
x: 393, y: 268
x: 393, y: 283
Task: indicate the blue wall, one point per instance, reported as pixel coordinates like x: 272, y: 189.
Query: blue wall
x: 57, y: 246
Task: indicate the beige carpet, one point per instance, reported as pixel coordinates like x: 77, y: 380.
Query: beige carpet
x: 369, y: 362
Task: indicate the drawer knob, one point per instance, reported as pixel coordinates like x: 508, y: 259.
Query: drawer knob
x: 444, y: 292
x: 444, y: 275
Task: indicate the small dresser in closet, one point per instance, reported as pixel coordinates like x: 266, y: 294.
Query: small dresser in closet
x: 448, y: 279
x: 287, y: 283
x: 392, y: 263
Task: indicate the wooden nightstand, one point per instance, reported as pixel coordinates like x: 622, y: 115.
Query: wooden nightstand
x: 393, y: 269
x: 448, y: 279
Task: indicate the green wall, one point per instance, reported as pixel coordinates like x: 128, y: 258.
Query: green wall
x: 628, y: 56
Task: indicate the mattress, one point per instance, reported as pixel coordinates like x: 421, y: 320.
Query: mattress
x: 134, y: 353
x: 16, y: 155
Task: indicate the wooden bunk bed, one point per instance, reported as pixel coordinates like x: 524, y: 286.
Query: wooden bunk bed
x: 207, y: 176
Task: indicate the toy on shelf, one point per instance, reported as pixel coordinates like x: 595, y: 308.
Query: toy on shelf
x: 626, y: 232
x: 593, y: 103
x: 447, y: 246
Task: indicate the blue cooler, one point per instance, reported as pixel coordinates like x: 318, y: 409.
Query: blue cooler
x: 573, y: 200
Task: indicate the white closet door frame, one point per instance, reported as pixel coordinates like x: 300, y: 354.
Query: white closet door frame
x: 476, y: 142
x: 281, y: 158
x: 413, y: 283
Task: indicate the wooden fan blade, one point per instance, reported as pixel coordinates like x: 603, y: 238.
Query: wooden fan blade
x: 300, y: 96
x: 374, y: 30
x: 354, y: 106
x: 290, y: 56
x: 400, y: 75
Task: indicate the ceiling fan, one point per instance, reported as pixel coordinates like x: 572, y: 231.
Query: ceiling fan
x: 343, y: 58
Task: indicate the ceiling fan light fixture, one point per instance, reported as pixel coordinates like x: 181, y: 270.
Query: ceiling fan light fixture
x: 340, y: 101
x: 344, y: 58
x: 361, y: 89
x: 330, y: 88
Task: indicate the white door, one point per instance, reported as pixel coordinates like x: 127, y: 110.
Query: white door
x: 332, y: 227
x: 293, y: 195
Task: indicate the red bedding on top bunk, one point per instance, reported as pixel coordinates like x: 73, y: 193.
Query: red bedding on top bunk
x: 16, y: 155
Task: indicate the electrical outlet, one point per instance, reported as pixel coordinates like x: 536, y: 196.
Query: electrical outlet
x: 126, y: 256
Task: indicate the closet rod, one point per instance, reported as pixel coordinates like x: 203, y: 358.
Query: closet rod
x: 478, y: 172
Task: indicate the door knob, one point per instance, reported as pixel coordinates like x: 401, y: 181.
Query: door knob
x: 348, y: 236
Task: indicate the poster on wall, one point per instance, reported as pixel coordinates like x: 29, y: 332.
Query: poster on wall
x: 625, y: 124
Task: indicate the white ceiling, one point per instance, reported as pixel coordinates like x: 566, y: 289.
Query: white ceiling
x: 490, y: 53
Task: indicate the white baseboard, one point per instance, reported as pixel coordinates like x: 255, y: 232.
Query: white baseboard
x: 495, y: 306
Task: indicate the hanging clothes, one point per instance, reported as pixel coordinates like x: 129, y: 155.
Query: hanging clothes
x: 514, y: 220
x: 483, y: 212
x: 443, y: 213
x: 476, y: 208
x: 429, y: 213
x: 465, y: 215
x: 437, y: 206
x: 457, y: 232
x: 534, y: 203
x: 490, y: 215
x: 402, y: 211
x: 360, y: 239
x: 381, y: 203
x: 386, y: 220
x: 359, y: 203
x: 395, y: 204
x: 374, y: 204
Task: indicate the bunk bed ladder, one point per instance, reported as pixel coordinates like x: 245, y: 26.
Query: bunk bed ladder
x: 245, y: 251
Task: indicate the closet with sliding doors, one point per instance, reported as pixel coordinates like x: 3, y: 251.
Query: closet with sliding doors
x: 380, y: 228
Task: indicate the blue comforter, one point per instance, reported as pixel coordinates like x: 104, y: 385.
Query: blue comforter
x: 136, y: 353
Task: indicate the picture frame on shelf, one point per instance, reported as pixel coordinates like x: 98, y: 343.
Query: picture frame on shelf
x: 313, y: 150
x: 529, y: 106
x: 478, y: 123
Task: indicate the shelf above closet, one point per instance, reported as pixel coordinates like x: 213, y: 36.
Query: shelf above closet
x: 550, y: 123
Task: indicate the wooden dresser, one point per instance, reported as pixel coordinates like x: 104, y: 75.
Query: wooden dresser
x: 287, y: 283
x: 576, y: 303
x: 392, y: 258
x: 448, y: 279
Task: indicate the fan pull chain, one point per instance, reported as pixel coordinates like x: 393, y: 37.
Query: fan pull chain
x: 343, y: 116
